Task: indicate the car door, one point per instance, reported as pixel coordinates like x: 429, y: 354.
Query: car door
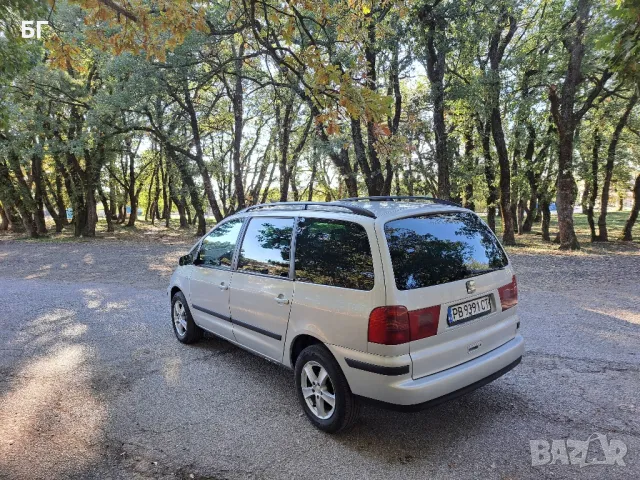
x: 211, y: 279
x: 262, y: 288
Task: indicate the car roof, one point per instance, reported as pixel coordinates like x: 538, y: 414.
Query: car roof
x: 386, y: 210
x: 379, y: 209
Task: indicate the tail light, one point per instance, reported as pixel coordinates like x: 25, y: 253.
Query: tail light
x: 424, y: 322
x: 509, y: 294
x: 394, y: 325
x: 389, y: 325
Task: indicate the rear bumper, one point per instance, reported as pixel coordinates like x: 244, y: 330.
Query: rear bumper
x: 402, y: 391
x: 444, y: 398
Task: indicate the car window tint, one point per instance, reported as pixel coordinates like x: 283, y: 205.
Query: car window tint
x: 266, y: 246
x: 217, y: 248
x: 333, y: 252
x: 434, y: 249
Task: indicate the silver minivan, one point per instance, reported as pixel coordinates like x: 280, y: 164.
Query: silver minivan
x: 401, y: 301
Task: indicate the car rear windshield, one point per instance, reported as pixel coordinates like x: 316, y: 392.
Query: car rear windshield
x: 433, y: 249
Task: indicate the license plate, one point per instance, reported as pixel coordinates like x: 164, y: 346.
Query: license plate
x: 469, y: 310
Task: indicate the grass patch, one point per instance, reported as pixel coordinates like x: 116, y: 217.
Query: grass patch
x: 141, y: 232
x: 532, y: 242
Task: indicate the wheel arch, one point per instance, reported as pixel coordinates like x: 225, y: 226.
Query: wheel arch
x: 299, y: 343
x: 175, y: 289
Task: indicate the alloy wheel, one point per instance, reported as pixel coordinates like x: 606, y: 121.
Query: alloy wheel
x: 180, y: 318
x: 317, y: 390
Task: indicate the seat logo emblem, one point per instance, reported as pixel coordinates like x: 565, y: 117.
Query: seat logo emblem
x: 471, y: 286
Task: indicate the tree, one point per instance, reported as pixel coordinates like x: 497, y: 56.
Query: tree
x: 433, y: 19
x: 603, y: 234
x: 567, y: 115
x: 497, y: 46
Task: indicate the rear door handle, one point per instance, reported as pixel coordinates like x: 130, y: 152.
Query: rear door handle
x: 281, y: 300
x: 223, y: 286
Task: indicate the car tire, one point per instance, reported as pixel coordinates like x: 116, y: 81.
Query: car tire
x: 315, y: 389
x: 184, y: 327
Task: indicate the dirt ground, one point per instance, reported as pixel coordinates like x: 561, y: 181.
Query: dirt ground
x: 94, y: 385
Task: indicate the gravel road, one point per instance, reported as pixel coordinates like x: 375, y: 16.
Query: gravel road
x: 93, y: 383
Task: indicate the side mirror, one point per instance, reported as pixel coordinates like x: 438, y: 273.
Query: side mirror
x: 186, y: 259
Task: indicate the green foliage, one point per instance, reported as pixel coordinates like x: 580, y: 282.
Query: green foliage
x: 106, y: 75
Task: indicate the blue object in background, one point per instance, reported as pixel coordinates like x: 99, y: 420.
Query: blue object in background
x: 552, y: 207
x: 128, y: 210
x: 69, y: 213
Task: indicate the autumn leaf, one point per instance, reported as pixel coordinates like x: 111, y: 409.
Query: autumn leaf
x: 333, y: 128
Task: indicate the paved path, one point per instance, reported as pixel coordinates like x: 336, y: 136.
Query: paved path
x: 94, y: 385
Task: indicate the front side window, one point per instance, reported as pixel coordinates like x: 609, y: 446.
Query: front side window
x: 333, y: 252
x: 217, y: 248
x: 266, y: 247
x: 441, y: 248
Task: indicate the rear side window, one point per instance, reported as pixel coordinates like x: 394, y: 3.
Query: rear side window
x: 333, y: 252
x: 217, y: 248
x: 266, y: 247
x: 434, y: 249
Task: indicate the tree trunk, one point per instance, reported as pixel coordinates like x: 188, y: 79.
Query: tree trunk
x: 440, y: 131
x: 489, y: 173
x: 122, y: 213
x: 59, y: 199
x: 603, y: 235
x: 199, y: 157
x: 566, y: 119
x: 149, y: 210
x: 193, y: 190
x: 565, y: 195
x: 497, y: 45
x: 470, y: 162
x: 339, y: 159
x: 92, y: 178
x: 593, y: 181
x: 267, y: 187
x: 533, y: 202
x: 156, y: 198
x: 36, y: 172
x: 546, y: 219
x: 633, y: 216
x: 586, y: 193
x: 314, y: 169
x: 294, y: 186
x: 372, y: 180
x: 59, y: 216
x: 4, y: 226
x: 522, y: 208
x: 238, y: 117
x: 381, y: 184
x: 508, y: 234
x: 187, y: 209
x: 21, y: 196
x: 113, y: 204
x: 166, y: 201
x: 107, y: 211
x: 435, y: 68
x: 283, y: 123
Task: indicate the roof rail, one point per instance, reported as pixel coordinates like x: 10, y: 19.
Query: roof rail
x: 305, y: 206
x: 400, y: 198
